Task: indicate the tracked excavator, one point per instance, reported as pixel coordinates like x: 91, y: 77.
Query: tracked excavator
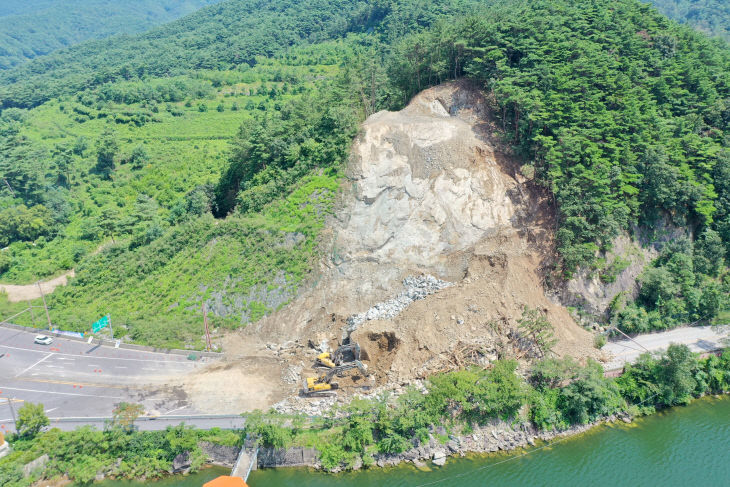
x: 323, y: 384
x: 344, y: 354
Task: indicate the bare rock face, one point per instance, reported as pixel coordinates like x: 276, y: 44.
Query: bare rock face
x: 593, y: 295
x: 594, y: 292
x: 424, y: 185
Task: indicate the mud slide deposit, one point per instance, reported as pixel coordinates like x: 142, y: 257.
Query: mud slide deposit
x: 429, y: 196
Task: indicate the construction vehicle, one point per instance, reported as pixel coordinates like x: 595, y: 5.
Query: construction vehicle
x: 344, y: 354
x: 323, y: 384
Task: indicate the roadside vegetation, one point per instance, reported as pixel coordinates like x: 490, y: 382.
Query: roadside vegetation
x: 118, y: 452
x: 134, y: 170
x: 554, y: 394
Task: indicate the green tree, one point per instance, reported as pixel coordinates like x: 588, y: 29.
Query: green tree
x: 589, y: 396
x: 109, y: 222
x: 676, y: 377
x: 268, y: 428
x: 138, y: 157
x: 106, y: 151
x: 63, y: 160
x: 709, y: 253
x: 31, y: 419
x: 538, y: 330
x: 80, y: 146
x: 125, y: 414
x: 5, y: 261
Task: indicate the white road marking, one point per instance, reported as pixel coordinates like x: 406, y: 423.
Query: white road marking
x: 41, y: 360
x: 59, y: 393
x: 119, y: 367
x: 99, y: 357
x: 173, y: 410
x: 51, y: 410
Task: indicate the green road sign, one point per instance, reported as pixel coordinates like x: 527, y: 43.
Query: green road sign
x: 101, y: 324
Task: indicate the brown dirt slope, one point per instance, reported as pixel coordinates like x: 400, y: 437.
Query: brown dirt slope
x: 17, y: 293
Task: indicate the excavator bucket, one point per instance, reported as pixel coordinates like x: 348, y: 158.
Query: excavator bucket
x: 324, y: 360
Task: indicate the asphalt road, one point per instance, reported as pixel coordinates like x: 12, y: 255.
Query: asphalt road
x: 698, y: 338
x: 79, y: 383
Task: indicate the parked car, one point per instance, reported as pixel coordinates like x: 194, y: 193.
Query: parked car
x: 43, y: 340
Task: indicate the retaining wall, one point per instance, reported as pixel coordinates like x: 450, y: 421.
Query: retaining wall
x: 225, y: 456
x: 287, y: 457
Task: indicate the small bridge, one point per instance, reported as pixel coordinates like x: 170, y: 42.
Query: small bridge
x: 246, y: 461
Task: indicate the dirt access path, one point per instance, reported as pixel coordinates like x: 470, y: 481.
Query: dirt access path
x: 17, y: 293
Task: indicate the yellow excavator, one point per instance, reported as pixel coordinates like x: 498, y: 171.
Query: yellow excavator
x: 343, y: 355
x: 323, y: 384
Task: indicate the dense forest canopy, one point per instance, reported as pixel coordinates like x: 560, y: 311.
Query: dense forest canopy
x: 32, y: 28
x: 223, y: 36
x: 709, y: 16
x: 245, y: 111
x: 622, y: 115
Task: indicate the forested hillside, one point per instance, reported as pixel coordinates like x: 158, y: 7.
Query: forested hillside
x: 223, y: 37
x: 197, y: 162
x: 709, y: 16
x: 31, y: 28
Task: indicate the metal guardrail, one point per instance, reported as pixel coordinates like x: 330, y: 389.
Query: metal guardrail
x: 254, y: 458
x: 75, y: 419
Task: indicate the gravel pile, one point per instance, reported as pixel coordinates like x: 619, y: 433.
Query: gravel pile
x: 416, y: 287
x: 292, y: 374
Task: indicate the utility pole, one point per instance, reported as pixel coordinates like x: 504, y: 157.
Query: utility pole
x: 12, y: 412
x: 48, y: 316
x: 207, y: 330
x: 111, y: 330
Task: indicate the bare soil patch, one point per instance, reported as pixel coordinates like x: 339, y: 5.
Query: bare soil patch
x: 17, y: 293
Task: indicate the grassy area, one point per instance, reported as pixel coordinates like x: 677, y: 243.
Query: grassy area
x: 243, y: 266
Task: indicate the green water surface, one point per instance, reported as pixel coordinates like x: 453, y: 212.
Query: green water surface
x: 686, y: 446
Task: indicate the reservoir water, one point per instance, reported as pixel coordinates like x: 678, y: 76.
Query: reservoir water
x: 684, y: 446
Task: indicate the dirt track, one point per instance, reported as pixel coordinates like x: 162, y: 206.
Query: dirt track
x: 26, y: 292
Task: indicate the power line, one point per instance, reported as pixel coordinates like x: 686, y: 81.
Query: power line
x: 48, y: 316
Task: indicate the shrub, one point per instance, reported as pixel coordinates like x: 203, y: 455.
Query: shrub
x: 31, y: 419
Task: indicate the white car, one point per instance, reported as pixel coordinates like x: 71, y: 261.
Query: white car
x: 43, y: 340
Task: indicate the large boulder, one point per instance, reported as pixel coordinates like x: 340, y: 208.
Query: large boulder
x: 439, y: 458
x: 181, y: 463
